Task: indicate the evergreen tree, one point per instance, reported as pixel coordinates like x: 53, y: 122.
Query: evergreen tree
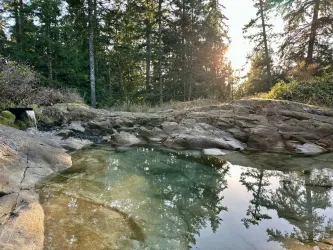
x: 263, y: 31
x: 308, y: 31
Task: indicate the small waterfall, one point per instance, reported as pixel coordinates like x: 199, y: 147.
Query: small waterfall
x: 32, y: 118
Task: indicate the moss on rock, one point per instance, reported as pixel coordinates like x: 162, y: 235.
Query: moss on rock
x: 8, y: 123
x: 8, y: 115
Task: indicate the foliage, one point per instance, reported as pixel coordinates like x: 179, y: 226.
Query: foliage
x: 8, y: 119
x: 8, y: 123
x: 308, y: 31
x: 8, y: 115
x: 145, y: 51
x: 176, y: 105
x: 19, y: 87
x: 316, y: 91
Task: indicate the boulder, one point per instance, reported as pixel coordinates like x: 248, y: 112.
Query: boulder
x: 73, y: 144
x: 155, y: 135
x: 213, y: 152
x: 265, y: 138
x: 310, y: 149
x: 125, y: 138
x: 76, y: 127
x: 24, y: 160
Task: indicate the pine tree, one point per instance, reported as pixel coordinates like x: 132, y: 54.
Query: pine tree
x: 261, y: 38
x: 307, y: 30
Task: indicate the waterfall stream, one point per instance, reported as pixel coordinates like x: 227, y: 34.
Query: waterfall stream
x: 32, y: 118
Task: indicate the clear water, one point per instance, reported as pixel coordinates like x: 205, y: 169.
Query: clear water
x: 145, y: 198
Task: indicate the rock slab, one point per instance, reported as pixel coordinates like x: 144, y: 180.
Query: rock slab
x: 24, y: 160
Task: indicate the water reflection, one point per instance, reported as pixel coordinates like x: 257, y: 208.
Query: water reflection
x: 256, y: 182
x: 145, y: 198
x: 301, y: 199
x: 167, y: 197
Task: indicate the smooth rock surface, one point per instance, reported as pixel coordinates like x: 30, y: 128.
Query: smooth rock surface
x: 125, y: 138
x: 310, y: 149
x: 24, y: 160
x: 213, y: 152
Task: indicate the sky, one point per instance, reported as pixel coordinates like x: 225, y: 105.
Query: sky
x: 239, y: 13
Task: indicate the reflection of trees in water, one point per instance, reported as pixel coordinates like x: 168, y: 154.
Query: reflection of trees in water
x: 196, y: 194
x: 184, y: 195
x: 297, y: 200
x: 257, y: 182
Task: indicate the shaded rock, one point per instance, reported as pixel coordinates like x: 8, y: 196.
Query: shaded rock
x: 73, y: 144
x: 169, y: 127
x: 266, y: 138
x: 76, y: 127
x: 125, y: 138
x: 155, y: 135
x: 64, y: 133
x: 106, y: 139
x: 310, y: 149
x: 213, y: 152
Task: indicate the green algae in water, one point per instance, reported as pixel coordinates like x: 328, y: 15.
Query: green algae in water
x: 144, y: 198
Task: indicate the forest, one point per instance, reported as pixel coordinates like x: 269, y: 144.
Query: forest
x: 155, y: 51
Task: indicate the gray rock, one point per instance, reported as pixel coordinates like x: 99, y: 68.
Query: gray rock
x: 156, y: 135
x: 213, y: 152
x: 265, y: 138
x: 73, y: 144
x: 76, y: 127
x: 24, y: 160
x: 125, y: 138
x: 106, y: 139
x: 310, y: 149
x: 266, y: 125
x: 64, y: 133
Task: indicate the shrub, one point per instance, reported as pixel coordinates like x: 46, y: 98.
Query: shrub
x: 19, y: 86
x: 316, y: 91
x: 8, y: 115
x: 7, y: 123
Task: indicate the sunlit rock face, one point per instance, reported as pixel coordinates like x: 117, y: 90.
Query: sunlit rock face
x: 148, y: 198
x: 24, y: 160
x: 265, y: 125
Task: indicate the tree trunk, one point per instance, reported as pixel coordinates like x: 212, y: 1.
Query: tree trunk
x: 17, y: 22
x: 91, y: 52
x: 160, y: 50
x: 49, y: 51
x: 268, y: 60
x: 190, y: 78
x: 309, y: 58
x: 183, y: 50
x: 21, y: 24
x: 148, y: 54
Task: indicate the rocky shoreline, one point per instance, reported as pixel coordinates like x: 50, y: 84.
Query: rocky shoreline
x: 265, y: 125
x: 25, y: 158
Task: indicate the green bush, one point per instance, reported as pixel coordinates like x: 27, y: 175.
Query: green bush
x: 20, y: 86
x: 8, y: 115
x: 316, y: 91
x: 7, y: 123
x: 23, y: 124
